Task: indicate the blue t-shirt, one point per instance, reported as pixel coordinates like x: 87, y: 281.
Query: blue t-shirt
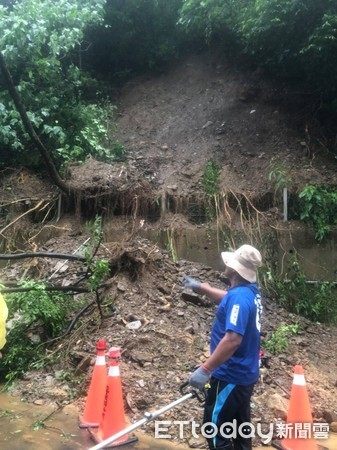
x: 239, y: 311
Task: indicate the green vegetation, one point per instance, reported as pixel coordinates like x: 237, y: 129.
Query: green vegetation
x: 210, y: 179
x: 49, y: 49
x: 292, y: 41
x: 279, y: 340
x: 314, y: 301
x: 97, y: 269
x: 137, y: 36
x: 278, y: 175
x: 37, y: 317
x: 42, y: 44
x: 318, y: 207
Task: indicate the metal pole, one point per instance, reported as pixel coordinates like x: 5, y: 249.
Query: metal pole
x: 147, y: 418
x: 285, y: 204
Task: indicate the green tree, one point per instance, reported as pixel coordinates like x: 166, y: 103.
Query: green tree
x: 138, y: 35
x: 41, y: 44
x: 293, y: 39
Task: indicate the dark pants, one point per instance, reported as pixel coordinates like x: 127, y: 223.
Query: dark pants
x: 228, y: 403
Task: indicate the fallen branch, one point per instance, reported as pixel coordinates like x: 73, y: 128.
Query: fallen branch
x: 75, y: 319
x: 70, y: 288
x: 41, y: 255
x: 2, y: 205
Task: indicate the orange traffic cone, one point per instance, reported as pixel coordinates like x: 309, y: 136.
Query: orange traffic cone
x: 113, y: 419
x: 298, y: 429
x: 93, y: 409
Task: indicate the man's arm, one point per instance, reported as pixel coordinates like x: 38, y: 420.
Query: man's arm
x: 205, y: 289
x: 212, y: 293
x: 224, y: 350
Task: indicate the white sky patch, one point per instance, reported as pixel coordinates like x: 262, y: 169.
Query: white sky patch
x: 234, y: 314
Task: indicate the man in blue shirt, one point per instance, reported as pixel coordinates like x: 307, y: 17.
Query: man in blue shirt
x: 233, y: 366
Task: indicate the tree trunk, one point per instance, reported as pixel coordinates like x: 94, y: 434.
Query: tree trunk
x: 65, y: 187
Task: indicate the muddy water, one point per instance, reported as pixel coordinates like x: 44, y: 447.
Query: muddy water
x: 20, y: 430
x: 318, y: 260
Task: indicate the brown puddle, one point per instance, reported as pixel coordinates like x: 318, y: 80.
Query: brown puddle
x: 21, y: 428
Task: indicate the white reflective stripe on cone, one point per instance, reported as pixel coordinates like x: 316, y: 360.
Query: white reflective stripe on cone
x: 100, y: 360
x: 299, y: 380
x: 113, y: 371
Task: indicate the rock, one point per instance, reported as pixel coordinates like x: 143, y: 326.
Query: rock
x: 278, y: 405
x: 329, y: 415
x: 207, y: 124
x: 50, y: 381
x: 193, y: 298
x: 197, y: 442
x: 34, y: 338
x: 189, y: 329
x: 275, y: 403
x: 39, y: 402
x: 333, y: 427
x: 164, y: 289
x: 134, y: 325
x: 121, y: 287
x: 83, y: 365
x: 140, y: 383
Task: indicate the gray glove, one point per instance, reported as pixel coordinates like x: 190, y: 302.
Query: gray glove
x: 199, y: 378
x: 191, y: 283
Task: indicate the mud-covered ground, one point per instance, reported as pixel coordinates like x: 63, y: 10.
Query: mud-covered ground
x: 163, y: 332
x: 171, y: 126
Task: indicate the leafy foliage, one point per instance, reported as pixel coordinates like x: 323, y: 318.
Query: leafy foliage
x: 315, y: 301
x: 279, y: 340
x: 210, y: 179
x: 35, y: 312
x: 41, y: 314
x: 278, y: 175
x: 213, y: 19
x: 98, y: 269
x: 42, y: 42
x: 138, y: 35
x: 296, y: 40
x: 319, y: 208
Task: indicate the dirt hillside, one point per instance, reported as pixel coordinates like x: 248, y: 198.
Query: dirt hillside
x: 171, y: 126
x: 204, y: 109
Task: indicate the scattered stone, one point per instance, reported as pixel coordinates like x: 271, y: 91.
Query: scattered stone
x: 83, y: 365
x: 333, y: 427
x: 121, y: 287
x: 207, y: 124
x: 197, y: 442
x: 140, y: 383
x: 330, y: 416
x: 134, y: 325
